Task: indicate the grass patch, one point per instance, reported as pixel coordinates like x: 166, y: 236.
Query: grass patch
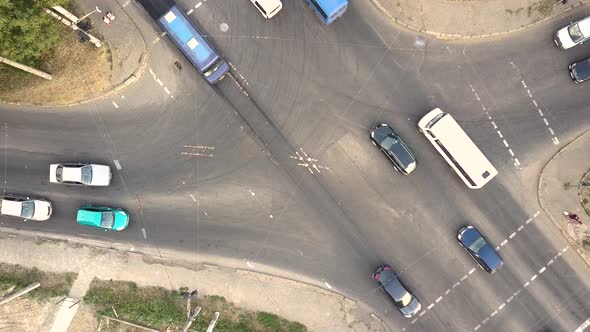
x: 158, y: 307
x: 52, y: 284
x: 274, y: 323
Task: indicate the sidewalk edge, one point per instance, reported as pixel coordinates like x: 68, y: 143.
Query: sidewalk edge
x: 455, y: 36
x: 541, y: 200
x: 177, y: 262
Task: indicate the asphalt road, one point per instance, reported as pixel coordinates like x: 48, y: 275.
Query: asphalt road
x: 213, y: 171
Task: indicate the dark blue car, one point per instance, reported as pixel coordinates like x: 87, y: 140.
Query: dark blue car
x: 480, y: 249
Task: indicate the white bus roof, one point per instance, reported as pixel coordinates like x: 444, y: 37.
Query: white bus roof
x: 460, y: 147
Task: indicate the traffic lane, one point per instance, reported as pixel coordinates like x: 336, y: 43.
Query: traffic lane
x: 542, y: 73
x: 540, y: 300
x: 483, y: 297
x: 506, y: 228
x: 279, y: 64
x: 311, y: 115
x: 545, y: 290
x: 522, y: 263
x: 416, y: 238
x: 270, y: 228
x: 28, y: 174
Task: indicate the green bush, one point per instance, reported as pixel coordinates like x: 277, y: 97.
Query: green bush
x: 153, y: 305
x: 26, y: 31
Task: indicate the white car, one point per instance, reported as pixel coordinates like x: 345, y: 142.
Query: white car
x: 268, y: 8
x: 25, y: 207
x: 80, y: 174
x: 574, y: 34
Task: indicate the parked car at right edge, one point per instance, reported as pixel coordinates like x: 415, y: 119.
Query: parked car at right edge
x: 25, y: 207
x: 405, y: 301
x: 580, y: 71
x: 574, y: 34
x: 480, y: 249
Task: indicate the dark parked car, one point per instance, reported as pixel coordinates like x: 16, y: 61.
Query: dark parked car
x: 580, y: 71
x: 480, y: 249
x: 394, y: 148
x: 405, y: 301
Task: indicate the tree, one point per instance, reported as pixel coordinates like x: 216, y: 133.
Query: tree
x: 26, y: 32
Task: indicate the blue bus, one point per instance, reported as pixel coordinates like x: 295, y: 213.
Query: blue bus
x: 194, y: 46
x: 328, y: 10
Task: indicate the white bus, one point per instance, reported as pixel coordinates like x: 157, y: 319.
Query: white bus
x: 457, y: 148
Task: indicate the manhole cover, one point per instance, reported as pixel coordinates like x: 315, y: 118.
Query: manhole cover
x: 420, y: 41
x: 223, y: 27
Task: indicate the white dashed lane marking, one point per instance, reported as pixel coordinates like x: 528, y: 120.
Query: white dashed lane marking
x: 524, y: 285
x: 193, y: 197
x: 537, y: 105
x: 144, y: 233
x: 584, y: 325
x: 115, y: 104
x: 515, y: 160
x: 473, y: 269
x: 159, y: 81
x: 117, y: 164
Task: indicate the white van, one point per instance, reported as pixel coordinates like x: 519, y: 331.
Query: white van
x: 268, y: 8
x: 457, y: 148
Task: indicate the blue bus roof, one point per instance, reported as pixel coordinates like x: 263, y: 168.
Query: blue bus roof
x: 188, y: 38
x: 332, y: 5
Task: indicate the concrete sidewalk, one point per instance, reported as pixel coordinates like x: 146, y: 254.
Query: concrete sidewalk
x: 317, y: 308
x: 559, y: 191
x: 452, y: 19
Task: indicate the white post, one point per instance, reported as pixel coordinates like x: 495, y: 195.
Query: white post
x: 213, y: 322
x: 85, y: 16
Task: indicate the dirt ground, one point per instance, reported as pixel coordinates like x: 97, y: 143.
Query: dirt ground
x: 85, y: 319
x: 24, y: 315
x: 80, y: 71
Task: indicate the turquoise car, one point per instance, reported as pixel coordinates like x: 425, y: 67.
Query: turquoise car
x: 115, y: 219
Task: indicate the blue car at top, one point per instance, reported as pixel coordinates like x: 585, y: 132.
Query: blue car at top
x: 480, y: 249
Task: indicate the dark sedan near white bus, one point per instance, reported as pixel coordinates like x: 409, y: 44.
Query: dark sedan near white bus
x: 394, y: 148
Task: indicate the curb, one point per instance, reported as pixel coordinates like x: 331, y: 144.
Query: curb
x: 455, y: 36
x: 541, y: 200
x: 107, y: 246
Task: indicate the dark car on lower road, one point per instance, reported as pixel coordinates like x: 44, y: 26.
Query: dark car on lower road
x: 580, y: 71
x: 404, y: 300
x: 394, y: 148
x: 480, y: 249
